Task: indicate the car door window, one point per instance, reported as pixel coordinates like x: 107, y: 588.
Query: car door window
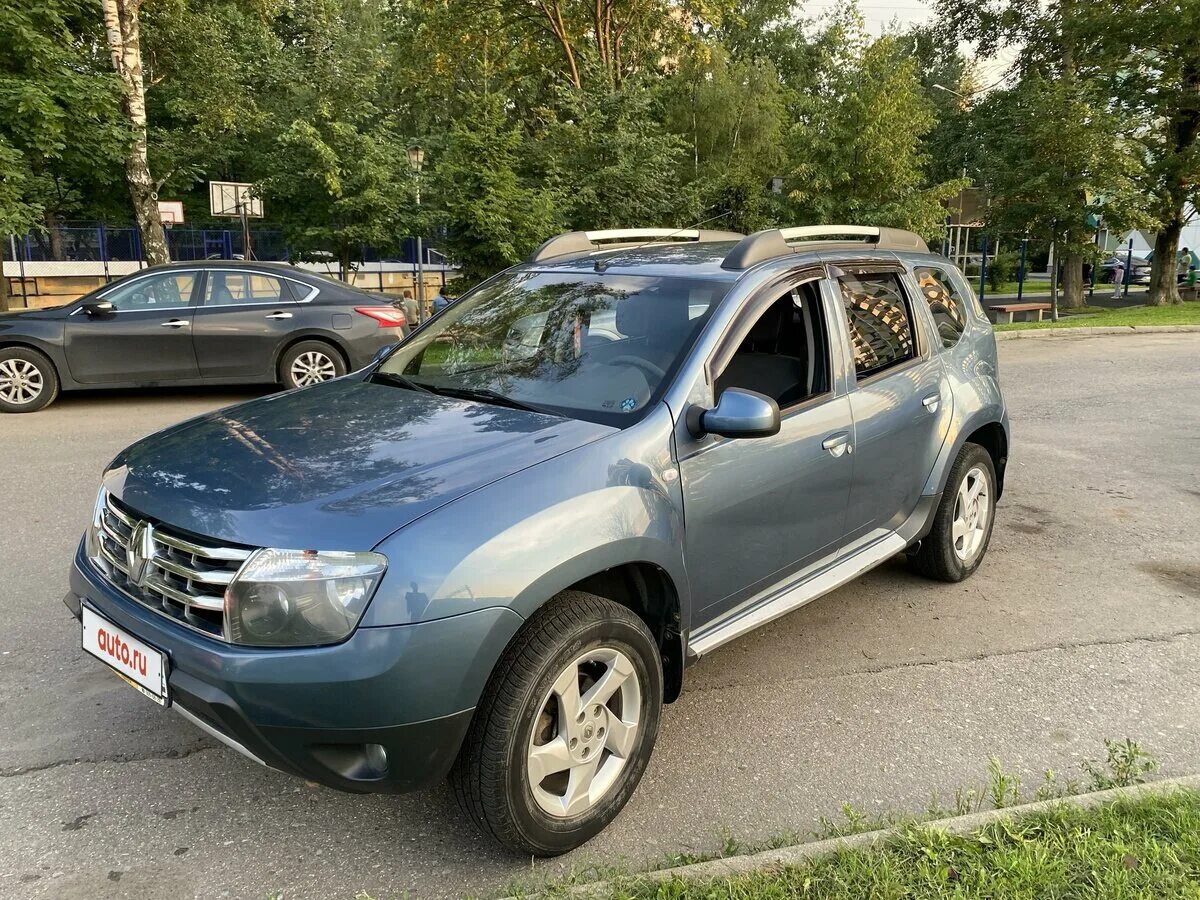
x: 785, y: 354
x: 235, y: 288
x: 947, y: 303
x: 881, y: 331
x: 155, y: 292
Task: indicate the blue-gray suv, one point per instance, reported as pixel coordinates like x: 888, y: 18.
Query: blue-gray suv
x: 492, y: 553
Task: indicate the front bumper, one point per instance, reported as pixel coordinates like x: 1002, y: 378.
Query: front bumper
x: 322, y: 713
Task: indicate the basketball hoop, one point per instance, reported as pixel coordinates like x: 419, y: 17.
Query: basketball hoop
x: 170, y: 212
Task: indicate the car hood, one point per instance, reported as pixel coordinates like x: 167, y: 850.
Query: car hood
x: 338, y: 466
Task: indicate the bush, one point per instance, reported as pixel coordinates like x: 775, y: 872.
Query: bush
x: 1001, y: 269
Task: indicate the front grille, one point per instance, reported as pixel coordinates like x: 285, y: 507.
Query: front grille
x: 183, y: 577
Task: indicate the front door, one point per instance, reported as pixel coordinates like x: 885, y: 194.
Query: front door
x: 901, y: 402
x: 244, y: 319
x: 146, y: 339
x: 759, y: 510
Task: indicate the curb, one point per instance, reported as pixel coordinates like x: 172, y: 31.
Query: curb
x: 1094, y: 331
x: 734, y: 866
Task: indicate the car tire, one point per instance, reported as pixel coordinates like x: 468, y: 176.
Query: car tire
x: 962, y: 526
x: 310, y: 362
x: 523, y: 725
x: 28, y: 380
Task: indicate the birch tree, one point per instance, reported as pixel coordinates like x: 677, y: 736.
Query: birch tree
x: 122, y: 29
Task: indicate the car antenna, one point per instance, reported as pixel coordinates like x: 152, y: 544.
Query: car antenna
x: 601, y: 264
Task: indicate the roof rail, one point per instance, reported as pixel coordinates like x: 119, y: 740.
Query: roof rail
x: 773, y: 242
x: 612, y: 238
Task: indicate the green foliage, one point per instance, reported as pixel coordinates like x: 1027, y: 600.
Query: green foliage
x: 1001, y: 269
x: 1126, y: 764
x: 61, y: 138
x: 857, y: 152
x: 492, y: 214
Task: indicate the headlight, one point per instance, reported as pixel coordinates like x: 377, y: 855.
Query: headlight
x: 300, y: 598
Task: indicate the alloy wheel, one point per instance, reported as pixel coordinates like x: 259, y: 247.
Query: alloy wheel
x: 586, y: 730
x: 312, y: 367
x: 21, y: 381
x: 971, y: 514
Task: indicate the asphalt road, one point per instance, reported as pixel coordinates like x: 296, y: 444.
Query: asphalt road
x: 1083, y: 623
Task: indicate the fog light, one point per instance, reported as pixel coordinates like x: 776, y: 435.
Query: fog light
x: 376, y: 758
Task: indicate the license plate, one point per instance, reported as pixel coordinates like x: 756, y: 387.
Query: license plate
x: 139, y: 665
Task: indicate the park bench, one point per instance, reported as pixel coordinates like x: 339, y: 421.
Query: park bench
x: 1003, y: 313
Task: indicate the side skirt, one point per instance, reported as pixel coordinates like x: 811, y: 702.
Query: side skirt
x: 779, y: 601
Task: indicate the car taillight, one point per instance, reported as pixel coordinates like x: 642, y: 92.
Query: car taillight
x: 386, y: 316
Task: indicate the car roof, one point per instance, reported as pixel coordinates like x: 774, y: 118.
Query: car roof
x: 276, y: 268
x: 703, y: 260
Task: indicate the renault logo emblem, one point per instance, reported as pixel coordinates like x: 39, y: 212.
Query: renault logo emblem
x: 140, y: 552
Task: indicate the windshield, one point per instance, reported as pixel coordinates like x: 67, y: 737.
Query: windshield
x: 596, y: 347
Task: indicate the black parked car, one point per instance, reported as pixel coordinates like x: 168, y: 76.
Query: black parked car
x: 209, y: 322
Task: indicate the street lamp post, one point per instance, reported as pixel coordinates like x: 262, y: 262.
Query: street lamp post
x: 416, y: 160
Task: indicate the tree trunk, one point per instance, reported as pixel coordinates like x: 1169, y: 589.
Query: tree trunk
x: 1072, y: 297
x: 122, y: 28
x: 1164, y: 279
x: 5, y: 303
x: 50, y: 218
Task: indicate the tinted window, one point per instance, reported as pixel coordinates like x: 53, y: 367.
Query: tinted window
x: 597, y: 347
x: 948, y: 305
x: 229, y: 288
x: 880, y: 327
x: 155, y: 292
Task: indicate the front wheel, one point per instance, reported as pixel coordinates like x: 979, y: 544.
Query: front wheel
x: 962, y: 526
x: 28, y: 381
x: 565, y: 728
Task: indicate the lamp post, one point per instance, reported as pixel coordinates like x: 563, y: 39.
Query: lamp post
x: 416, y: 161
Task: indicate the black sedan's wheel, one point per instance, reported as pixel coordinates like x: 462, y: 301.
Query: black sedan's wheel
x: 565, y: 728
x: 28, y: 381
x: 309, y: 363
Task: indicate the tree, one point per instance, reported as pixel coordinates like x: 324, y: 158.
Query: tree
x: 1053, y: 154
x: 857, y: 153
x: 492, y: 216
x: 1151, y: 59
x: 58, y: 119
x: 1061, y: 91
x: 122, y: 27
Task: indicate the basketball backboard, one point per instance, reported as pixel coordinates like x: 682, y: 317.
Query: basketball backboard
x: 171, y: 212
x: 233, y: 198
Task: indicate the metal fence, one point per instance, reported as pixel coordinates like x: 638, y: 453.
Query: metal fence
x: 73, y: 258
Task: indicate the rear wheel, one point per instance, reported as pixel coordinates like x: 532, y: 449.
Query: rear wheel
x: 28, y: 381
x: 309, y: 363
x: 565, y: 728
x: 962, y: 526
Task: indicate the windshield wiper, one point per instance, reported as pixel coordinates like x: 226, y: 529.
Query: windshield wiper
x: 399, y: 381
x: 486, y: 396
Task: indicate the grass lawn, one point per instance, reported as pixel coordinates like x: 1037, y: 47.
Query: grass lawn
x: 1148, y: 847
x: 1187, y: 313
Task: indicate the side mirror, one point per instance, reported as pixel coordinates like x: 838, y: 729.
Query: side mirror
x: 741, y: 414
x: 382, y: 352
x: 98, y: 308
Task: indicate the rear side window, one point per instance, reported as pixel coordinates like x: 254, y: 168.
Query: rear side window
x: 881, y: 334
x: 236, y: 288
x: 947, y: 303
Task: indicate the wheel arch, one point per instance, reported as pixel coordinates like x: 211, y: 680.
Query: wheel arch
x: 26, y: 343
x: 988, y: 429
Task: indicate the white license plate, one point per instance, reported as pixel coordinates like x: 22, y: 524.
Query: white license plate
x: 138, y: 664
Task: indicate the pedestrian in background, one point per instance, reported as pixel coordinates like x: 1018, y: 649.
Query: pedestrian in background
x: 1118, y: 279
x: 409, y: 305
x: 440, y: 302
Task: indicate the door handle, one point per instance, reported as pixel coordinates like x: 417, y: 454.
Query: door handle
x: 279, y: 315
x: 175, y: 323
x: 931, y: 402
x: 837, y: 444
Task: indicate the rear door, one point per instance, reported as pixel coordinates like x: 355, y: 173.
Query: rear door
x: 901, y: 401
x: 145, y: 340
x: 243, y: 320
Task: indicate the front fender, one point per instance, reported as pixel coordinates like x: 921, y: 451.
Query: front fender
x: 521, y: 540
